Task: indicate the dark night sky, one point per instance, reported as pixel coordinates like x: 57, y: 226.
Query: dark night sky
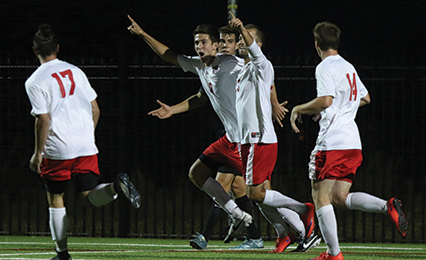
x: 90, y: 28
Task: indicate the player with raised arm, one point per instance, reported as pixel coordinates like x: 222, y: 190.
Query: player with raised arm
x: 337, y: 153
x: 66, y: 114
x: 228, y: 177
x: 258, y: 139
x: 218, y: 74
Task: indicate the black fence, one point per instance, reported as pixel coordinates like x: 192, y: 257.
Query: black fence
x: 157, y: 153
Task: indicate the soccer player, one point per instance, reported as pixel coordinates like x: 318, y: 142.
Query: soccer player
x: 337, y: 153
x: 258, y: 139
x: 218, y: 74
x: 66, y: 114
x: 227, y: 176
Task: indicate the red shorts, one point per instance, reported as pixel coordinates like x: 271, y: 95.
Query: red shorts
x: 335, y: 164
x: 259, y: 162
x: 222, y: 152
x: 62, y: 170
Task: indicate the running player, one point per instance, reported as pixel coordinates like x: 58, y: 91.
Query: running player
x: 257, y: 135
x: 66, y: 114
x: 337, y: 153
x: 218, y: 74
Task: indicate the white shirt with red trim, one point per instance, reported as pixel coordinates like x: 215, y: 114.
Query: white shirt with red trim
x: 336, y: 77
x: 63, y: 91
x: 218, y: 81
x: 254, y: 108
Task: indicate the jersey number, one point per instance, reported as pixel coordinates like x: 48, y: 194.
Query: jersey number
x: 352, y: 84
x: 61, y: 85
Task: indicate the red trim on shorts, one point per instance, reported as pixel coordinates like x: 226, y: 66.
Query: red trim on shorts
x: 62, y: 170
x: 337, y: 164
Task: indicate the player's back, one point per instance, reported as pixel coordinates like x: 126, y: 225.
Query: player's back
x: 338, y: 78
x: 62, y: 91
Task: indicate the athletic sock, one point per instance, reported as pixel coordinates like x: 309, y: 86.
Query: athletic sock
x: 58, y: 222
x: 366, y: 202
x: 102, y: 194
x: 219, y: 195
x: 293, y: 220
x: 212, y: 218
x: 274, y: 217
x: 328, y: 225
x: 275, y: 199
x: 247, y: 205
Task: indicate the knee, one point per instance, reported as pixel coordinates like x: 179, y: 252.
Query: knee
x: 198, y: 175
x: 256, y: 195
x: 338, y: 199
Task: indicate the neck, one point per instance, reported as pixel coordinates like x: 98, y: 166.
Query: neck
x: 329, y: 52
x: 47, y: 58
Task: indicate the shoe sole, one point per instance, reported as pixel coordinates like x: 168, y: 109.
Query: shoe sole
x: 129, y: 190
x: 402, y: 224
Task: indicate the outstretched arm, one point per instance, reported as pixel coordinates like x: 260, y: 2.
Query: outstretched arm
x: 162, y: 50
x: 190, y: 103
x: 312, y: 107
x: 238, y: 24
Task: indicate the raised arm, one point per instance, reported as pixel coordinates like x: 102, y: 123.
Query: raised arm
x: 162, y: 50
x: 190, y: 103
x: 238, y: 24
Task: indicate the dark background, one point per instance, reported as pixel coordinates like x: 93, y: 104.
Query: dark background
x: 383, y: 39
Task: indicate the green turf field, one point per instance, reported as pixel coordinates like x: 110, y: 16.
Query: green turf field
x: 14, y: 247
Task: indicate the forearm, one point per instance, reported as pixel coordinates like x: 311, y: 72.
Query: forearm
x: 41, y: 130
x: 96, y: 113
x: 160, y: 49
x: 190, y: 103
x: 314, y: 106
x: 248, y: 39
x: 274, y: 96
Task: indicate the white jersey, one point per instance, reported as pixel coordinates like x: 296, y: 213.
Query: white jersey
x: 63, y: 91
x: 254, y: 107
x: 218, y: 81
x: 338, y: 78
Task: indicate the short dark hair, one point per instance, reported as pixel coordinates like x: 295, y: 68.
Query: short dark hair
x: 259, y: 34
x: 228, y: 30
x: 207, y: 29
x: 45, y: 40
x: 327, y: 35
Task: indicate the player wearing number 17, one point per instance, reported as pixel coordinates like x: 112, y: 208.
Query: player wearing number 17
x: 64, y: 105
x: 337, y: 153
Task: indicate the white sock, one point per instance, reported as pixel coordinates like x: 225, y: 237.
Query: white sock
x: 366, y: 202
x: 274, y: 217
x: 293, y: 219
x: 102, y: 194
x: 328, y: 225
x: 58, y: 222
x: 219, y: 195
x: 276, y: 199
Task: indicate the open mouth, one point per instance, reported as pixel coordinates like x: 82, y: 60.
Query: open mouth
x: 201, y: 54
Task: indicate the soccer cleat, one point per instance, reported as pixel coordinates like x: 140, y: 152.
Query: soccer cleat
x: 306, y: 244
x: 397, y: 215
x: 125, y: 186
x: 198, y: 242
x: 308, y: 219
x: 62, y: 256
x: 249, y: 244
x: 281, y: 244
x: 235, y: 228
x: 326, y: 256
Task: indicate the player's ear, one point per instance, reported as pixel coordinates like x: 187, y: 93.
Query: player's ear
x: 36, y: 51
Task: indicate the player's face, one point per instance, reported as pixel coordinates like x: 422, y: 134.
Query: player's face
x: 204, y: 47
x: 228, y: 44
x: 242, y: 47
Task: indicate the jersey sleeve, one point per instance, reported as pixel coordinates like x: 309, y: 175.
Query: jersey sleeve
x: 325, y: 83
x: 188, y: 63
x: 361, y: 87
x: 90, y: 92
x: 256, y: 55
x: 38, y: 99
